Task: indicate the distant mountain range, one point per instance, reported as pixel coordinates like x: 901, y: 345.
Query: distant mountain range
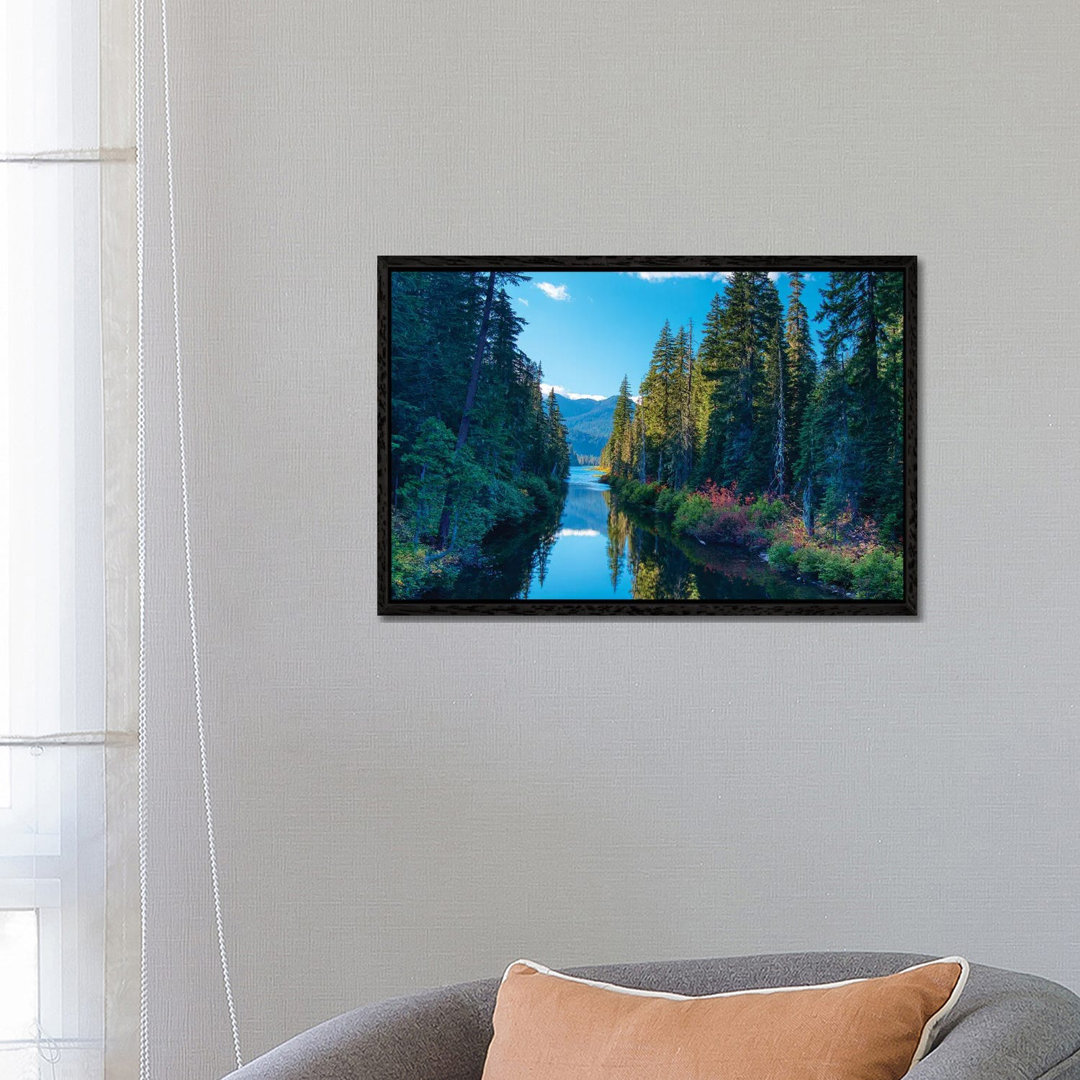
x: 588, y: 424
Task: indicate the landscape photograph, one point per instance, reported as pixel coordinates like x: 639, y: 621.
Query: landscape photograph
x: 728, y: 438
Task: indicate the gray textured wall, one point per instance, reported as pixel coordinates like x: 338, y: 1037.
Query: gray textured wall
x: 409, y: 803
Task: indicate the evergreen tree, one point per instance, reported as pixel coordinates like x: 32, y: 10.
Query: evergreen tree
x: 639, y: 446
x: 736, y: 346
x: 781, y: 463
x: 470, y: 398
x: 829, y: 441
x: 890, y: 301
x: 658, y: 405
x: 617, y: 456
x: 504, y: 396
x: 800, y: 381
x: 712, y: 393
x: 456, y: 366
x: 760, y: 472
x: 859, y: 409
x: 434, y: 326
x: 681, y: 435
x: 740, y: 343
x: 557, y: 446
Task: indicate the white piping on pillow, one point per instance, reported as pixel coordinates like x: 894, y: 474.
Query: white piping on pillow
x: 921, y: 1050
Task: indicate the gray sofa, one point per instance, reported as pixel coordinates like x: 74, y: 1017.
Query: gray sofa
x: 1006, y: 1026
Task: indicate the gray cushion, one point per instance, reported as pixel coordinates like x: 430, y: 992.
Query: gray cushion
x: 1006, y: 1026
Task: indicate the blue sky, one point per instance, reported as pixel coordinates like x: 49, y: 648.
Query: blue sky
x: 588, y: 329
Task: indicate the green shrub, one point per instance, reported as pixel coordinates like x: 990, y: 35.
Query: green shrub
x: 826, y: 564
x: 782, y: 555
x: 808, y: 559
x: 634, y: 493
x: 835, y: 568
x: 411, y: 574
x: 513, y: 504
x: 879, y: 576
x: 891, y: 524
x: 691, y: 513
x: 668, y: 501
x: 767, y: 511
x: 544, y: 495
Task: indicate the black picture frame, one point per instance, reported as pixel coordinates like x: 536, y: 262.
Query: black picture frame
x: 388, y: 605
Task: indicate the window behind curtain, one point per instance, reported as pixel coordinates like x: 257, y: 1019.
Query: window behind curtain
x: 52, y: 576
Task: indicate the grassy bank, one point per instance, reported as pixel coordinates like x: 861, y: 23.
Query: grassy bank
x: 841, y: 554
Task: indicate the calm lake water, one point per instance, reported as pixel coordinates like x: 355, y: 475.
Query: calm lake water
x: 595, y: 551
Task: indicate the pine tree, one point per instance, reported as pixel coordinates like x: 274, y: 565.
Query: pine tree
x: 800, y: 381
x: 778, y: 484
x: 639, y: 446
x: 761, y: 467
x: 681, y: 433
x: 831, y: 446
x: 857, y: 444
x: 658, y: 401
x: 890, y: 301
x: 617, y: 455
x: 739, y: 441
x: 448, y: 491
x: 557, y: 444
x: 434, y: 328
x: 503, y: 400
x: 711, y: 400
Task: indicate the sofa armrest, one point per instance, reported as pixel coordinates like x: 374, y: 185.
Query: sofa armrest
x: 1007, y: 1026
x: 440, y: 1034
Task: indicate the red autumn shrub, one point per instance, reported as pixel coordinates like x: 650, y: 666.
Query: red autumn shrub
x: 720, y: 497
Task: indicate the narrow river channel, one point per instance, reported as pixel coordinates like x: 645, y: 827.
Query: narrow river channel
x: 597, y: 552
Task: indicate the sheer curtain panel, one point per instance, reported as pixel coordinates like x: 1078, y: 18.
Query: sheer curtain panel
x: 66, y: 493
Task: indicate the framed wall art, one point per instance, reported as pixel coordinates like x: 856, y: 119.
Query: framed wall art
x: 647, y: 436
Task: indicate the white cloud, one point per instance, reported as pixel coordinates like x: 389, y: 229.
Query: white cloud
x: 556, y: 292
x: 712, y: 275
x: 578, y: 532
x: 522, y: 300
x: 664, y: 275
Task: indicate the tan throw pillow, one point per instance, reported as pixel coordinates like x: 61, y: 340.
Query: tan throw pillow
x: 550, y: 1026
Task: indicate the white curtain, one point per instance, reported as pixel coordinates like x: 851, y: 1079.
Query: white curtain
x: 64, y: 201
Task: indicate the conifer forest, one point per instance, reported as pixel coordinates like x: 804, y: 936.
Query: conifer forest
x: 756, y: 456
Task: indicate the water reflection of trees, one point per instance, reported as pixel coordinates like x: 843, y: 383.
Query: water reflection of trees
x: 618, y: 532
x: 510, y: 563
x: 538, y: 564
x: 666, y: 566
x: 660, y: 565
x: 658, y: 570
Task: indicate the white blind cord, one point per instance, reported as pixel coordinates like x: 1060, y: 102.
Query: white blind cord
x: 197, y: 680
x: 140, y: 95
x: 140, y: 454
